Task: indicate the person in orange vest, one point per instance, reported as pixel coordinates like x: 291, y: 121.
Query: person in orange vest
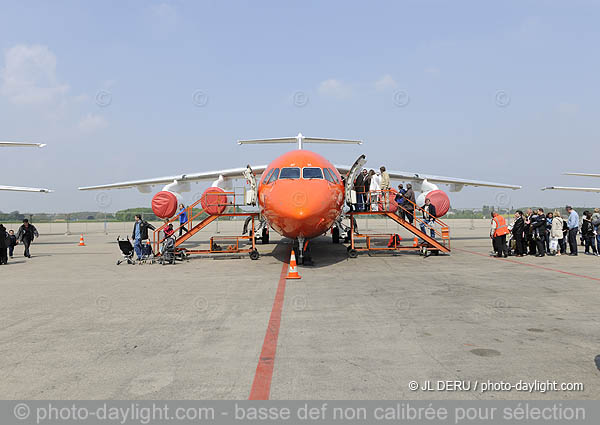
x: 498, y: 234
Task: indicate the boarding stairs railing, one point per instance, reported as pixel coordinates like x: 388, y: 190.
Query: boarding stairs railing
x: 382, y: 201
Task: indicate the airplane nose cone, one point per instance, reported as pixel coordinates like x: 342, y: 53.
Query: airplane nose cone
x: 307, y: 208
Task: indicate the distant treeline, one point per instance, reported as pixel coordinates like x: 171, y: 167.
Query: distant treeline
x: 82, y: 216
x: 147, y: 214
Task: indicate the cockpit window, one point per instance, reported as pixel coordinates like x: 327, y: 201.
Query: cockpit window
x: 328, y: 175
x: 312, y: 173
x: 334, y: 175
x: 274, y: 176
x: 290, y: 173
x: 267, y: 176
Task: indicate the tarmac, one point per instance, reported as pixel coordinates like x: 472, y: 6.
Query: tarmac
x: 74, y: 325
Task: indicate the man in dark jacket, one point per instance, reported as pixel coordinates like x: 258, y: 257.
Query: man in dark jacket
x: 530, y: 242
x: 359, y: 187
x: 365, y: 189
x: 409, y: 203
x: 429, y: 215
x: 3, y: 245
x: 401, y: 201
x: 517, y: 233
x: 539, y: 232
x: 140, y: 233
x: 26, y: 234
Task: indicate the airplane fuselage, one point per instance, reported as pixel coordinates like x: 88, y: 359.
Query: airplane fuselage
x: 301, y: 194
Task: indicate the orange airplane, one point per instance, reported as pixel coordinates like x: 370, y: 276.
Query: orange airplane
x: 300, y: 194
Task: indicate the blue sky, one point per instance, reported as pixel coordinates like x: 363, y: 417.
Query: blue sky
x: 124, y: 90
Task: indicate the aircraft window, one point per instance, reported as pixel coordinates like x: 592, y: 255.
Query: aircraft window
x: 290, y: 173
x: 268, y: 175
x: 273, y: 176
x: 333, y: 175
x: 312, y: 173
x: 328, y: 175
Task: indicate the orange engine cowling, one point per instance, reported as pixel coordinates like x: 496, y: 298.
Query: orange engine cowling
x: 214, y: 200
x: 393, y: 204
x: 440, y: 201
x: 164, y: 204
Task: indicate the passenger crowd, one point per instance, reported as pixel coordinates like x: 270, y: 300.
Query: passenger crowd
x: 538, y: 233
x: 372, y: 192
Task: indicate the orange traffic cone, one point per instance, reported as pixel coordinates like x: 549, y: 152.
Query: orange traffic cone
x: 293, y: 271
x: 81, y: 242
x: 415, y: 242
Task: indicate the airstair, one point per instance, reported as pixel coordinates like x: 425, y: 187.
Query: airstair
x: 199, y: 218
x: 380, y: 203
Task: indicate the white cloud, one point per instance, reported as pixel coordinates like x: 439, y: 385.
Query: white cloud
x: 386, y: 83
x: 335, y: 88
x: 29, y: 76
x: 432, y: 70
x: 566, y: 108
x: 164, y: 17
x: 92, y: 122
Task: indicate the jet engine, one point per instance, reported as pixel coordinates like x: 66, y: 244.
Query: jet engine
x: 164, y: 203
x: 214, y: 200
x: 438, y: 198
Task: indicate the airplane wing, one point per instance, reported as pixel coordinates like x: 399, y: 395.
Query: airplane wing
x: 207, y: 175
x: 456, y: 183
x: 582, y: 174
x: 20, y: 144
x: 580, y: 189
x: 25, y: 189
x: 17, y: 188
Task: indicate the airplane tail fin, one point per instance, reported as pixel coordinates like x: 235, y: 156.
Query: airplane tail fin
x: 300, y: 139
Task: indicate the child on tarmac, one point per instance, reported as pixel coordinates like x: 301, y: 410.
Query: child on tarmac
x: 12, y: 242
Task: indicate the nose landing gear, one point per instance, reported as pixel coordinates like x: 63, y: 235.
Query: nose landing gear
x: 301, y: 246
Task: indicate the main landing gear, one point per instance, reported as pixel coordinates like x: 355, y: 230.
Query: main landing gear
x: 335, y: 234
x: 264, y: 239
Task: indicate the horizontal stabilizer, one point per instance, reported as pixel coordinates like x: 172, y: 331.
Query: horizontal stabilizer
x: 300, y: 139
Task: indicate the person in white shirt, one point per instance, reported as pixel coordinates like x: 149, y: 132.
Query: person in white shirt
x: 374, y: 189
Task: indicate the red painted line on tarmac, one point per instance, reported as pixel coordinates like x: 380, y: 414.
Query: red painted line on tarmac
x: 530, y: 265
x: 261, y: 387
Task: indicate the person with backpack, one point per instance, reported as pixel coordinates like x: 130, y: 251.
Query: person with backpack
x: 400, y: 201
x: 587, y: 232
